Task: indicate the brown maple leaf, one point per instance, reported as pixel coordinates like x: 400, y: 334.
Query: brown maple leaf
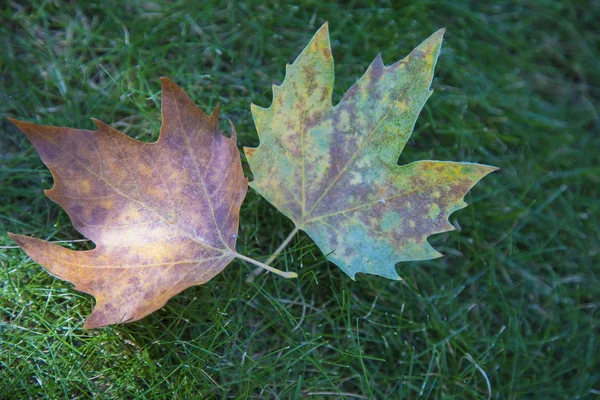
x: 164, y: 216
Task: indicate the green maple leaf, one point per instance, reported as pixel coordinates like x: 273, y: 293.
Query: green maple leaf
x: 333, y: 169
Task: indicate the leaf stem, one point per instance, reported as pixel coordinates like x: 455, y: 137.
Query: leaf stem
x: 282, y: 246
x: 267, y: 267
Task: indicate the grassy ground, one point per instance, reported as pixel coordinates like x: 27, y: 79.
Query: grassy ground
x: 512, y: 311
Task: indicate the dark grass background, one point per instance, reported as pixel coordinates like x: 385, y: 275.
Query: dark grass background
x: 512, y: 311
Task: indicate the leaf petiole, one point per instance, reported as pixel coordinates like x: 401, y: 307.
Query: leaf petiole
x: 284, y: 274
x: 282, y: 246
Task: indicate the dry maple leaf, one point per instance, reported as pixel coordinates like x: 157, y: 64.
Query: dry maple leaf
x: 333, y: 169
x: 164, y: 216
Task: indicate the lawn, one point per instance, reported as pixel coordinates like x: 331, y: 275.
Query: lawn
x: 512, y: 310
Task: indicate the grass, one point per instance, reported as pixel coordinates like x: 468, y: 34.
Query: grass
x: 511, y: 312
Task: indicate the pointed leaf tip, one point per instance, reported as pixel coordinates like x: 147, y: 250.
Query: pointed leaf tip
x: 437, y: 36
x: 323, y: 32
x: 213, y: 118
x: 99, y: 124
x: 23, y: 126
x: 165, y: 80
x: 233, y: 132
x: 323, y: 29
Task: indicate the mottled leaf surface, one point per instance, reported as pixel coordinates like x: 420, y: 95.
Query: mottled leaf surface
x: 333, y: 169
x: 163, y: 216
